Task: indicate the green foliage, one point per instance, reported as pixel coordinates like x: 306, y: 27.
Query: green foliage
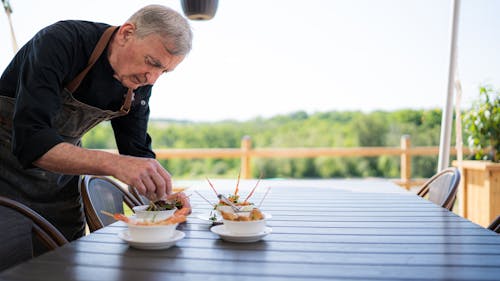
x: 482, y: 125
x: 100, y: 138
x: 299, y: 129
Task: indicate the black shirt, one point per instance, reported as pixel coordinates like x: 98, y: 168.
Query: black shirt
x: 39, y: 72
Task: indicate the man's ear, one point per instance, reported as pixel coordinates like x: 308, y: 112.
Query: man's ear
x: 125, y: 32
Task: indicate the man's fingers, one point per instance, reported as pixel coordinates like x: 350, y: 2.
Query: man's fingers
x: 168, y: 180
x: 149, y: 177
x: 141, y: 189
x: 150, y: 187
x: 160, y: 184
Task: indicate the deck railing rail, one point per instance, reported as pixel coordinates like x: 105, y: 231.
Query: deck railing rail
x: 246, y: 153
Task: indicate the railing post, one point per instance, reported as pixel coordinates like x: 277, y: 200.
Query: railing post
x: 405, y: 161
x: 246, y: 145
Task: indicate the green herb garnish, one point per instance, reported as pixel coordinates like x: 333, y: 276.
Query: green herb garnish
x: 163, y: 205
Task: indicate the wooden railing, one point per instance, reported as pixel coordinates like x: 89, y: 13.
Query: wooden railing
x: 246, y: 153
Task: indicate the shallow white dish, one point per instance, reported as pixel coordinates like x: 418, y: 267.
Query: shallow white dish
x: 148, y: 245
x: 206, y: 217
x: 239, y: 238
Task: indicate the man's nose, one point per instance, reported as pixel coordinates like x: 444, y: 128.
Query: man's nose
x: 152, y: 76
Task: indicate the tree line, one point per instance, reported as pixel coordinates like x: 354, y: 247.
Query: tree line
x: 298, y: 129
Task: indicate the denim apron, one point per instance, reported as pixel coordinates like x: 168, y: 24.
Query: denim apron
x: 55, y: 196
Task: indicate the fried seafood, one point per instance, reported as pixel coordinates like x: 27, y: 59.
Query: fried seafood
x: 255, y: 215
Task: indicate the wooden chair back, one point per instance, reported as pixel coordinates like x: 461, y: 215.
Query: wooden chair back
x: 442, y: 188
x: 20, y: 223
x: 140, y: 198
x: 495, y: 225
x: 103, y: 194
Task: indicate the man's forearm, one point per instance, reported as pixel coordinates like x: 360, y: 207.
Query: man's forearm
x: 146, y: 174
x: 66, y: 158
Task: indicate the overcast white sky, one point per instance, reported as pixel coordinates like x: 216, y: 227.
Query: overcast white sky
x: 268, y: 57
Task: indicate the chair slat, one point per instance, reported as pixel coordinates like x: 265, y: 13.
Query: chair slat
x: 442, y: 188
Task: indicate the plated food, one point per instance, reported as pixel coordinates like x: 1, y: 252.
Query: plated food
x: 154, y: 225
x: 225, y: 202
x: 232, y: 202
x: 240, y: 218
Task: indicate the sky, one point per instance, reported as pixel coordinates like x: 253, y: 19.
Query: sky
x: 263, y: 58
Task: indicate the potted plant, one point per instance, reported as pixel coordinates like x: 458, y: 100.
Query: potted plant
x: 482, y: 125
x: 480, y: 185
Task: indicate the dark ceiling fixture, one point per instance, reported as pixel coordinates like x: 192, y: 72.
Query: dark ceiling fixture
x: 199, y: 9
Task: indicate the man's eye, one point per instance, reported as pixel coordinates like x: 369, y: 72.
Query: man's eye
x: 153, y: 63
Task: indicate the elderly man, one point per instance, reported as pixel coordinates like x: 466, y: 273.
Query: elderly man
x: 69, y: 77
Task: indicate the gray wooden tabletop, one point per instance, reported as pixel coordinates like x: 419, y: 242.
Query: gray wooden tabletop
x: 321, y: 230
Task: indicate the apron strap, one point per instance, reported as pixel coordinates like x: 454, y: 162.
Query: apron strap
x: 96, y: 53
x: 128, y: 101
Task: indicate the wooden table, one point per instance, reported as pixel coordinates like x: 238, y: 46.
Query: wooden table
x: 321, y: 230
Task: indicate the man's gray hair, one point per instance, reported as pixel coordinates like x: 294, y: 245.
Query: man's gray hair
x: 169, y: 24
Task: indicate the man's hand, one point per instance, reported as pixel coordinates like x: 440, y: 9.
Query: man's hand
x: 146, y: 175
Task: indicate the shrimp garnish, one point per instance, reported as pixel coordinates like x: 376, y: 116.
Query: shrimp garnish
x: 117, y: 216
x: 170, y: 220
x: 237, y: 184
x: 253, y: 189
x: 212, y: 186
x: 121, y: 217
x: 184, y: 200
x: 235, y: 198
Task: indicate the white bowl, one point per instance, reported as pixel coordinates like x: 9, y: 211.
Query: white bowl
x: 141, y: 213
x: 152, y: 233
x: 245, y: 227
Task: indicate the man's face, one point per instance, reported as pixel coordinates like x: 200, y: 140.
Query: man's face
x: 140, y: 61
